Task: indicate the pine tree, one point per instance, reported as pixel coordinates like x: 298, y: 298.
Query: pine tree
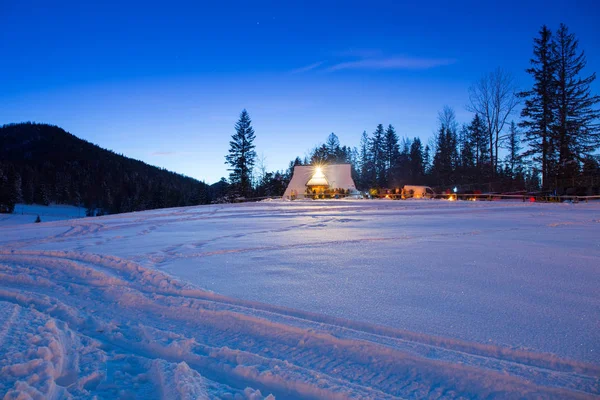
x: 538, y: 113
x: 364, y: 161
x: 390, y: 152
x: 444, y: 160
x: 576, y: 128
x: 320, y: 155
x: 333, y: 148
x: 427, y: 160
x: 478, y: 137
x: 513, y: 159
x: 417, y: 169
x: 439, y: 167
x: 591, y: 166
x: 377, y: 157
x: 241, y: 157
x: 402, y: 168
x: 467, y: 155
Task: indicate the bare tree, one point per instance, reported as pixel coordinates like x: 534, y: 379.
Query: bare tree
x: 261, y: 167
x: 494, y: 98
x: 447, y: 118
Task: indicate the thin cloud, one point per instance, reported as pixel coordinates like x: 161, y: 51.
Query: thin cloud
x: 307, y: 68
x: 407, y: 63
x: 359, y: 53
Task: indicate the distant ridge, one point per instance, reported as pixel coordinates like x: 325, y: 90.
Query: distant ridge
x: 41, y: 163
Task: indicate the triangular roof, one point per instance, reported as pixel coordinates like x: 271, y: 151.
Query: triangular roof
x: 335, y: 175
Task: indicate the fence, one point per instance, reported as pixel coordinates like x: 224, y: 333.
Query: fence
x: 527, y: 197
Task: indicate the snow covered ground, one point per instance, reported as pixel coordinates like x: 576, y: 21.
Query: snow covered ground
x: 331, y: 299
x: 27, y: 213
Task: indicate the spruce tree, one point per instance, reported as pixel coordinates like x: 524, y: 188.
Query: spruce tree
x: 439, y: 167
x: 427, y: 160
x: 403, y: 165
x: 364, y: 160
x: 377, y: 158
x: 241, y: 157
x: 446, y: 156
x: 467, y: 155
x: 538, y: 113
x: 390, y: 152
x: 333, y: 145
x: 513, y: 159
x: 478, y: 137
x: 417, y: 169
x: 575, y: 127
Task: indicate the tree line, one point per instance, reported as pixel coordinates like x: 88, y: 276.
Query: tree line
x: 552, y: 147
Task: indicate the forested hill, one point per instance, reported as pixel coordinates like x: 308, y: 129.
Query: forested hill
x: 42, y: 163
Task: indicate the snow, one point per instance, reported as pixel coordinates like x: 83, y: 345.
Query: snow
x: 27, y: 213
x: 305, y: 299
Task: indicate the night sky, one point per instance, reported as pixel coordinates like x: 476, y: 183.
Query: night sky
x: 165, y: 83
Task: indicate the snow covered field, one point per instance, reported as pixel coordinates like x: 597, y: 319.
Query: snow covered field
x: 332, y: 299
x: 27, y: 213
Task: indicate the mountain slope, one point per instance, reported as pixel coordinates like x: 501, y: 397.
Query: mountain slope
x: 42, y: 163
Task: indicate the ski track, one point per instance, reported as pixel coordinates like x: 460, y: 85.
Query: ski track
x: 186, y: 342
x: 78, y: 324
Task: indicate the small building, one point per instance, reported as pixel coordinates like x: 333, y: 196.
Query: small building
x: 327, y: 181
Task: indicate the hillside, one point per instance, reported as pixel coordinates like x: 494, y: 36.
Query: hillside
x: 44, y: 164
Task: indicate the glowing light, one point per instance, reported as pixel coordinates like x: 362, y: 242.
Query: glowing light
x: 455, y: 189
x: 318, y: 172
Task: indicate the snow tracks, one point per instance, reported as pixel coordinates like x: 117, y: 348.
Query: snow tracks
x: 78, y: 325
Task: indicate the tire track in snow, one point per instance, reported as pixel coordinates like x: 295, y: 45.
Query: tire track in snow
x: 287, y: 352
x: 172, y: 254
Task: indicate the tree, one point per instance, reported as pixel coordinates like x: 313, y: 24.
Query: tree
x: 447, y: 118
x: 390, y: 151
x: 513, y: 158
x: 467, y: 154
x: 478, y: 138
x: 241, y: 157
x: 261, y: 166
x: 538, y: 112
x: 576, y: 127
x: 417, y: 167
x: 364, y: 160
x: 446, y: 154
x: 377, y: 157
x: 494, y: 98
x: 333, y: 146
x: 427, y: 159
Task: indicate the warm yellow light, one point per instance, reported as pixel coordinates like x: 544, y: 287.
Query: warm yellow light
x: 318, y: 171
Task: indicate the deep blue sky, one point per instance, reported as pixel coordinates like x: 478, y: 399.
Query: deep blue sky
x: 165, y: 83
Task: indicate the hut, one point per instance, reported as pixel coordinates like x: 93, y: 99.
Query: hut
x: 326, y: 181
